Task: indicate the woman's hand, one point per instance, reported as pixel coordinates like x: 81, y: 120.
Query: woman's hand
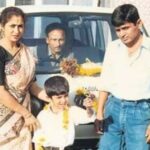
x: 38, y: 92
x: 31, y: 122
x: 148, y: 135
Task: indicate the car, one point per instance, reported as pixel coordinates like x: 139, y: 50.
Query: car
x: 89, y: 30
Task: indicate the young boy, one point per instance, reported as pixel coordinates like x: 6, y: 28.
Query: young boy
x: 58, y: 119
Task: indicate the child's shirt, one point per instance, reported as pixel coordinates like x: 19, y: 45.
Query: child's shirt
x: 52, y: 131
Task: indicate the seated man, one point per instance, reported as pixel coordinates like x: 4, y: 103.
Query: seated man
x: 55, y: 39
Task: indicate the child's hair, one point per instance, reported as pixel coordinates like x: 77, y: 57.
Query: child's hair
x: 56, y: 85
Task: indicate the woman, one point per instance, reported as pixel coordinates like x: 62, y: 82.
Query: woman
x: 17, y: 79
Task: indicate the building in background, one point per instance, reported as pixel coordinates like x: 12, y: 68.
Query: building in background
x: 143, y: 7
x: 4, y: 3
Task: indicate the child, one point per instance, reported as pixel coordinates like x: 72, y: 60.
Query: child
x: 58, y: 119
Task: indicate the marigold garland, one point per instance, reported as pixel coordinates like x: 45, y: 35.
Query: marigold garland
x: 40, y: 141
x: 71, y: 67
x: 65, y: 120
x: 39, y: 147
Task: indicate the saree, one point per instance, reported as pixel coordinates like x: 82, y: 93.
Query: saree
x: 19, y: 74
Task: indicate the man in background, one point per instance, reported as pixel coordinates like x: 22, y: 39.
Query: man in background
x: 56, y: 48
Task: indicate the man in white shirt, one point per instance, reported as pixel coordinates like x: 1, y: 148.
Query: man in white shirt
x: 124, y: 102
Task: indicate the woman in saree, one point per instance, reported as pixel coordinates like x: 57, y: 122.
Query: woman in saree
x: 17, y: 82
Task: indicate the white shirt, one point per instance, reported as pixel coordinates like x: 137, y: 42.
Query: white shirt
x: 52, y: 126
x: 127, y: 77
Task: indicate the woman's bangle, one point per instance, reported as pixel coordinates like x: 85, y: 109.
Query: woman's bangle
x: 28, y: 115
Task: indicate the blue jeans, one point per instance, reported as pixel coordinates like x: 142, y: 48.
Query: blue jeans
x: 125, y: 125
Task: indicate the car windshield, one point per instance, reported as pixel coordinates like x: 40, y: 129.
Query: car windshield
x: 86, y: 37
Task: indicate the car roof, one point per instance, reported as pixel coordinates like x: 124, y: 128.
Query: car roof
x: 49, y: 8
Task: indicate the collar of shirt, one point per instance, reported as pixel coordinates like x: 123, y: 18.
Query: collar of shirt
x: 57, y: 56
x: 133, y: 57
x: 145, y: 43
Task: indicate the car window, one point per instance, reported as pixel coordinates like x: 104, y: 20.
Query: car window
x: 87, y: 37
x: 36, y: 25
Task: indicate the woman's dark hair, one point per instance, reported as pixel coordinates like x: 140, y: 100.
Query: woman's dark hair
x: 8, y: 12
x: 56, y: 85
x: 124, y: 13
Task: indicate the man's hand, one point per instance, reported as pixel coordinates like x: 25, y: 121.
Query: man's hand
x: 79, y: 100
x: 99, y: 126
x: 88, y: 103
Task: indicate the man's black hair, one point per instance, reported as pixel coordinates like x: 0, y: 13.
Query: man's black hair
x: 56, y: 85
x: 54, y: 26
x: 124, y: 13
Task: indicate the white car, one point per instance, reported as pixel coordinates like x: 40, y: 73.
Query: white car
x: 89, y: 30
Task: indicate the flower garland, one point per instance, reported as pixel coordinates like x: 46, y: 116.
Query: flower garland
x: 40, y: 141
x: 71, y: 67
x: 39, y: 147
x: 65, y: 120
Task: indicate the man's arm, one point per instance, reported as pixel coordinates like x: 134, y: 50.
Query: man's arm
x: 101, y: 102
x: 99, y: 122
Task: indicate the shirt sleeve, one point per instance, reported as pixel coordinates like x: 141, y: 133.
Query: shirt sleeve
x: 80, y: 116
x: 39, y: 135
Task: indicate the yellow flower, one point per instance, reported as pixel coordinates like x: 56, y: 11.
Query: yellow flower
x: 40, y: 140
x: 65, y: 118
x: 89, y: 68
x: 95, y: 105
x: 39, y: 147
x: 47, y: 106
x: 89, y: 71
x: 81, y: 90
